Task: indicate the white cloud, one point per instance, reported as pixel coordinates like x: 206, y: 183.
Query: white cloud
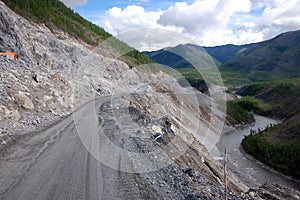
x: 72, y: 3
x: 202, y: 16
x: 132, y: 17
x: 279, y: 16
x: 150, y: 39
x: 205, y: 21
x: 211, y: 22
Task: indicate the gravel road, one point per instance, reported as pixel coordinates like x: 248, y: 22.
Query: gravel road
x: 63, y: 160
x: 54, y: 164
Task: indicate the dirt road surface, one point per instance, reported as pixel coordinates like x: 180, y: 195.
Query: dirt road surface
x: 54, y: 164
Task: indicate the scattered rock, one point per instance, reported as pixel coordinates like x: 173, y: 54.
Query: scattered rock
x: 24, y: 101
x: 3, y: 96
x: 252, y: 195
x: 275, y: 191
x: 10, y: 114
x: 4, y: 110
x: 14, y: 115
x: 156, y: 129
x: 36, y: 77
x: 190, y: 172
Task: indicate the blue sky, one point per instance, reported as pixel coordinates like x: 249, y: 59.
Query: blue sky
x: 205, y: 22
x: 98, y: 5
x: 94, y: 10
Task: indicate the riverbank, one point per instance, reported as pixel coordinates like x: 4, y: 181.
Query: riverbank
x: 276, y: 146
x: 249, y: 172
x: 267, y: 167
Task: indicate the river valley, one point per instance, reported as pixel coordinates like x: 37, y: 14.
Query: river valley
x: 249, y: 172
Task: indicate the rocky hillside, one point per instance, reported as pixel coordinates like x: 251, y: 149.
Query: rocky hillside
x: 55, y: 15
x: 43, y: 82
x: 55, y: 73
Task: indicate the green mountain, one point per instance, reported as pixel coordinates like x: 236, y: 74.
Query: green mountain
x: 170, y: 58
x: 56, y: 15
x: 225, y: 52
x: 277, y: 58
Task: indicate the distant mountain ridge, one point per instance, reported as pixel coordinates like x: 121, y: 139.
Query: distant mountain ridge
x: 225, y: 52
x: 168, y: 57
x: 277, y: 58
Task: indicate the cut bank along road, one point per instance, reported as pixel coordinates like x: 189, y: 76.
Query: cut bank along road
x: 54, y: 164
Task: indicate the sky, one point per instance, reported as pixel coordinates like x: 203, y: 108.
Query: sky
x: 203, y: 22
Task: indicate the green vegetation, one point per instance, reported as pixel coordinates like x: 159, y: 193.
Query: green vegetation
x: 278, y: 146
x: 278, y: 98
x: 192, y: 62
x: 249, y: 103
x: 193, y: 77
x: 187, y: 75
x: 278, y: 58
x: 239, y: 110
x: 54, y: 14
x: 281, y: 154
x: 232, y: 78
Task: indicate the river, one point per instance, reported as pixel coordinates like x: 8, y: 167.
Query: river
x: 246, y: 170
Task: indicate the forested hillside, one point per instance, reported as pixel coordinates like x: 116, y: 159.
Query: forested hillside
x: 278, y: 146
x: 225, y: 52
x: 278, y: 58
